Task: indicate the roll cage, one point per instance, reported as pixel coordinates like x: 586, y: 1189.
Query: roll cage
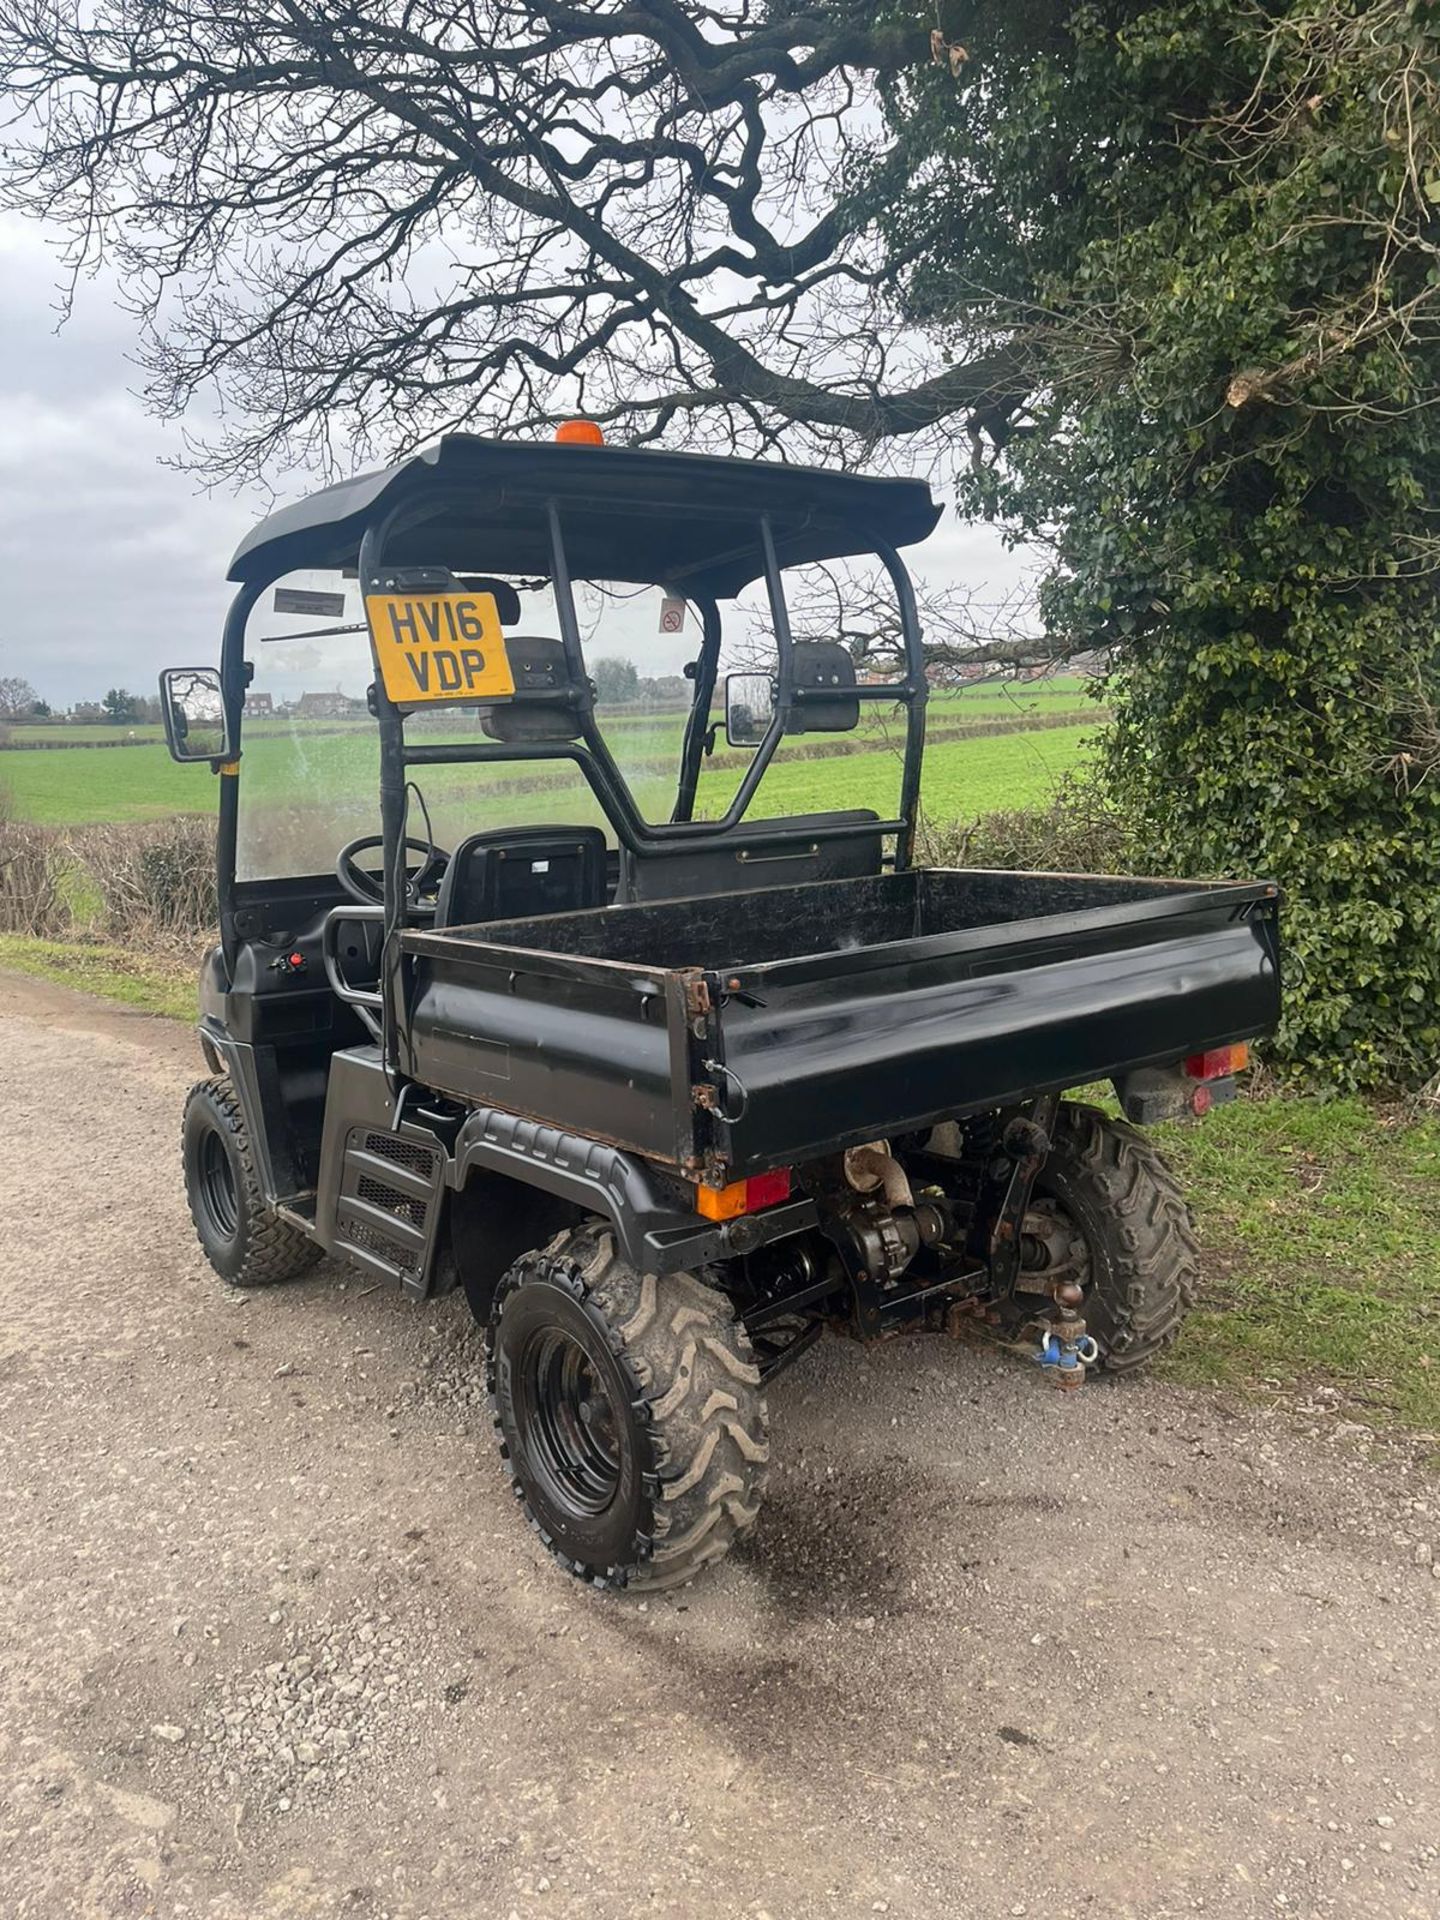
x: 698, y: 525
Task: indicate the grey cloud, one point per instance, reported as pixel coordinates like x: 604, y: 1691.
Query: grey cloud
x: 114, y: 563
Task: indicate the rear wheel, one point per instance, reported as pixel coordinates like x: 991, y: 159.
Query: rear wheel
x: 245, y: 1242
x: 1108, y: 1212
x: 629, y: 1412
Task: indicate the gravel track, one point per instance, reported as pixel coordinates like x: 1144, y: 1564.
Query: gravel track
x: 276, y: 1642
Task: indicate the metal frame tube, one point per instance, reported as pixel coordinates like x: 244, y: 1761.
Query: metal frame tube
x: 391, y: 724
x: 917, y: 693
x: 594, y: 759
x: 232, y: 691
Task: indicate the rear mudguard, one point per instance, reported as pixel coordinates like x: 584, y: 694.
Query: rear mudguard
x: 656, y: 1228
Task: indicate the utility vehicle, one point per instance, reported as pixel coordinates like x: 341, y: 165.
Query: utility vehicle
x: 667, y: 1086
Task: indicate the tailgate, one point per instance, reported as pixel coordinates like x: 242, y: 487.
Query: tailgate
x: 841, y: 1048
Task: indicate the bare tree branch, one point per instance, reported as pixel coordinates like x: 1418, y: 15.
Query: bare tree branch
x: 967, y: 641
x: 346, y: 227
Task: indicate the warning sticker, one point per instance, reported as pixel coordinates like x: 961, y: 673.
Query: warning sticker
x: 296, y: 600
x: 439, y: 646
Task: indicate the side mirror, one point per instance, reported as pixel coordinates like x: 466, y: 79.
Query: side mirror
x: 192, y: 706
x: 749, y: 708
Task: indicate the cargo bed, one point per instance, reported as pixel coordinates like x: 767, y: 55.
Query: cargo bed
x: 755, y: 1029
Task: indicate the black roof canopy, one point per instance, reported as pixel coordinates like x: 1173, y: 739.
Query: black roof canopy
x: 687, y: 520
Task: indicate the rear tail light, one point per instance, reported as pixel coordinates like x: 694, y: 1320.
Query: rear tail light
x: 743, y: 1196
x: 1219, y: 1062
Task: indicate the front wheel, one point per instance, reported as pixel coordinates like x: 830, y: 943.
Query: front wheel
x: 1108, y: 1212
x: 629, y: 1412
x: 245, y: 1242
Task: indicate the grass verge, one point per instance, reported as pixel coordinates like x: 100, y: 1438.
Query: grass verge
x: 1322, y: 1253
x: 134, y: 979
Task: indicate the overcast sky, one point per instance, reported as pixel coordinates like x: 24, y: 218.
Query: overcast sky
x: 114, y: 563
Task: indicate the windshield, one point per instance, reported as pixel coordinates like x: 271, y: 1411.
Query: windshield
x: 310, y: 769
x: 310, y: 772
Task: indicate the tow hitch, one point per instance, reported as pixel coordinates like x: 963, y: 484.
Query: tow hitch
x: 1066, y: 1349
x: 1056, y: 1338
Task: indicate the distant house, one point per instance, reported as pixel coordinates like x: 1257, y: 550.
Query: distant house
x: 329, y: 706
x: 256, y: 703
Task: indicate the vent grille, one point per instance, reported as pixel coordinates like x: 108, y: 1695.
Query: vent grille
x: 381, y: 1245
x: 380, y: 1195
x: 402, y: 1153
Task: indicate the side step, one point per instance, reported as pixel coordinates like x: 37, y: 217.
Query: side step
x: 389, y: 1205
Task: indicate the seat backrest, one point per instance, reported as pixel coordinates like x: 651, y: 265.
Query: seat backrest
x: 519, y: 872
x: 764, y: 853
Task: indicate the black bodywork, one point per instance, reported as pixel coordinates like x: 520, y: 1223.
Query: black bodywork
x: 744, y: 1031
x: 431, y: 1090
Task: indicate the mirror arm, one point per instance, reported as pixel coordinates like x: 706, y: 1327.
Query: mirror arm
x: 699, y: 742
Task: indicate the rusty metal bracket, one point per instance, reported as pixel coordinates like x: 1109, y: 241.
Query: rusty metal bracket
x: 697, y: 996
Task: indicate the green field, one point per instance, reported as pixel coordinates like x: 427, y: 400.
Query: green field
x: 67, y: 735
x: 963, y: 778
x: 1062, y: 692
x: 131, y: 783
x: 324, y: 762
x: 1030, y: 696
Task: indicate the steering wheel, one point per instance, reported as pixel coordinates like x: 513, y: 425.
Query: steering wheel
x: 369, y: 888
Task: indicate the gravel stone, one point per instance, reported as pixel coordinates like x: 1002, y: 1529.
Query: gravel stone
x: 1120, y: 1641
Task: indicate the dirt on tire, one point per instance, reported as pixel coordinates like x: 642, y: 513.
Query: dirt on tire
x: 689, y: 1386
x: 278, y: 1643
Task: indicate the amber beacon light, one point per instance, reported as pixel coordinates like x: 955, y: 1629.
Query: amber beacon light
x: 579, y: 433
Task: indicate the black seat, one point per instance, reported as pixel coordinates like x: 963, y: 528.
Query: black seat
x: 522, y: 871
x: 763, y: 853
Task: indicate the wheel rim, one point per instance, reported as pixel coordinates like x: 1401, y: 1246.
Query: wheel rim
x: 571, y: 1426
x: 1053, y: 1243
x: 216, y: 1186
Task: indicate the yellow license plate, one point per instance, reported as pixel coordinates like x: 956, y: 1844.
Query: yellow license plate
x: 439, y: 646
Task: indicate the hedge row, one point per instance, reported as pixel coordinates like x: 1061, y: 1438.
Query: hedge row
x: 141, y: 882
x: 129, y: 883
